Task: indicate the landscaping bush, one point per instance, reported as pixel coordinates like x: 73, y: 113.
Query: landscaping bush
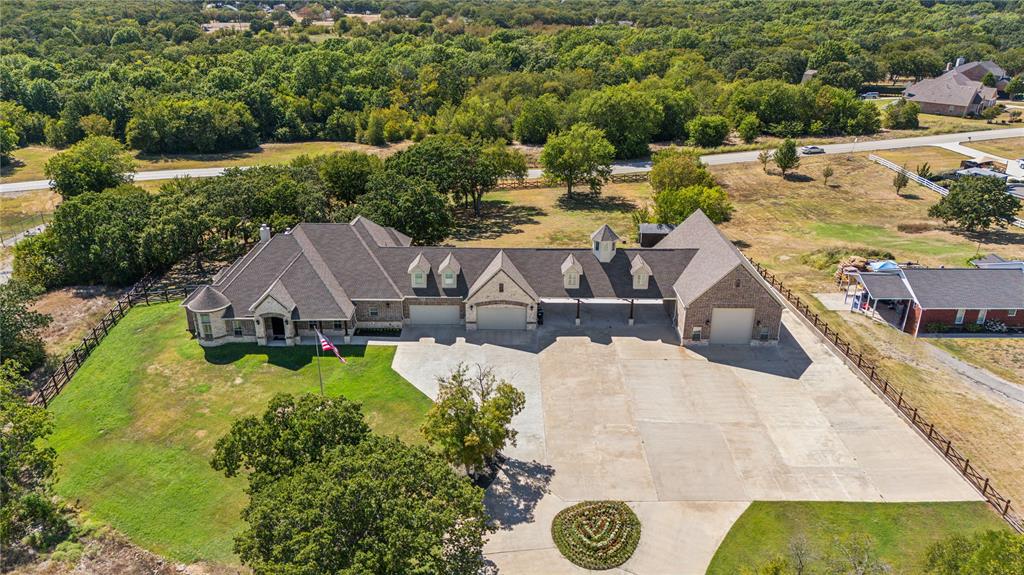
x: 596, y: 534
x: 974, y: 328
x: 934, y: 327
x: 829, y: 258
x: 915, y: 227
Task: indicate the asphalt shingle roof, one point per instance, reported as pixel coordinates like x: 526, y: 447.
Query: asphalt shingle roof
x: 967, y: 288
x: 885, y: 285
x: 320, y: 269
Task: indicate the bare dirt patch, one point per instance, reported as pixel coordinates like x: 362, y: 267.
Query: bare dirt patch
x: 75, y: 311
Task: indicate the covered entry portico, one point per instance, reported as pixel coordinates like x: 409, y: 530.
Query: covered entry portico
x: 881, y: 295
x: 607, y: 313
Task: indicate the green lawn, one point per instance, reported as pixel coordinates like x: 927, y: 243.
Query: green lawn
x: 136, y: 427
x: 902, y: 531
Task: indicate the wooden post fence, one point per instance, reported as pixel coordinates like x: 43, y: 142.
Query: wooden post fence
x: 895, y: 398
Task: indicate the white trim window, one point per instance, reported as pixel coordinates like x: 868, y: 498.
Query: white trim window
x: 572, y: 279
x: 448, y: 278
x: 205, y: 326
x: 640, y: 280
x: 1011, y: 313
x: 981, y: 316
x: 695, y: 334
x: 419, y: 279
x: 374, y: 311
x: 960, y: 313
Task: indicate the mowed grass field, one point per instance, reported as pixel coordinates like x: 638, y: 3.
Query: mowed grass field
x: 33, y: 159
x: 939, y: 159
x: 136, y: 427
x: 902, y: 532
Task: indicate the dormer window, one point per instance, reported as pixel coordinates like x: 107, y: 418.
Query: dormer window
x: 418, y: 271
x: 641, y: 272
x: 571, y: 272
x: 640, y: 280
x: 449, y: 270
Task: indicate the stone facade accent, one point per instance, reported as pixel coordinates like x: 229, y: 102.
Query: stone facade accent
x: 738, y: 289
x: 387, y: 311
x: 410, y: 301
x: 501, y: 288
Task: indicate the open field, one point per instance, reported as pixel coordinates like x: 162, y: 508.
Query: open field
x: 1009, y: 148
x: 25, y: 211
x: 136, y: 427
x: 74, y: 311
x: 33, y: 158
x: 939, y: 159
x: 902, y: 531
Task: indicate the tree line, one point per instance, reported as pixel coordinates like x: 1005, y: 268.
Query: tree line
x: 147, y: 75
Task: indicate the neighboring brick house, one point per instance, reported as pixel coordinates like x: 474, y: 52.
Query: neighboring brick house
x: 919, y: 300
x: 955, y: 93
x: 340, y: 277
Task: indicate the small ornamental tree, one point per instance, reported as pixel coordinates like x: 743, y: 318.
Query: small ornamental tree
x: 765, y: 158
x: 471, y: 421
x: 900, y: 180
x: 976, y: 204
x: 92, y: 165
x: 582, y: 154
x: 786, y: 157
x: 827, y: 172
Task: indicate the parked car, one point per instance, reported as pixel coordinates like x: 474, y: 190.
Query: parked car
x: 808, y: 150
x: 869, y: 96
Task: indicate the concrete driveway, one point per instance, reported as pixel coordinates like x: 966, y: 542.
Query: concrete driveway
x: 687, y: 437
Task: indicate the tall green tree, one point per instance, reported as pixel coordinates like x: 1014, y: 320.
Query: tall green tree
x: 628, y: 117
x: 987, y: 553
x: 20, y: 325
x: 92, y: 165
x: 786, y: 157
x: 708, y: 131
x: 977, y: 204
x: 326, y: 496
x: 537, y: 119
x: 411, y: 205
x: 345, y: 174
x: 581, y: 154
x: 471, y: 420
x: 29, y: 518
x: 674, y: 169
x: 673, y: 205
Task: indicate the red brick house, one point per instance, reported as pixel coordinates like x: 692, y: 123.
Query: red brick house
x: 921, y: 300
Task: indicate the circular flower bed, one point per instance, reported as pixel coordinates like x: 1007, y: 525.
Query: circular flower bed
x: 596, y: 534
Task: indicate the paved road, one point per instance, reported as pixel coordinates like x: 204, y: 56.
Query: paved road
x: 618, y: 167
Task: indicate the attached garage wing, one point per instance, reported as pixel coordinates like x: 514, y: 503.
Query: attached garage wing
x: 501, y: 317
x: 732, y: 325
x: 434, y: 314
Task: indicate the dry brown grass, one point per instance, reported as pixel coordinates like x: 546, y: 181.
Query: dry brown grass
x: 939, y: 159
x: 74, y: 311
x: 1009, y: 148
x: 545, y: 217
x: 1003, y: 356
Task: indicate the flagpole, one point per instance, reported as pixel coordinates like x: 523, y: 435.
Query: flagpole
x: 318, y: 370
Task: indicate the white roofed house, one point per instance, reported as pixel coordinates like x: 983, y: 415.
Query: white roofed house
x: 341, y: 277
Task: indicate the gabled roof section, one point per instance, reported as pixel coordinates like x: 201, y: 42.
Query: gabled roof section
x: 951, y: 88
x: 449, y: 263
x: 327, y: 278
x: 501, y: 263
x: 571, y: 263
x: 206, y: 299
x: 419, y: 263
x: 604, y: 234
x: 380, y: 235
x: 279, y: 293
x: 637, y: 264
x: 715, y: 257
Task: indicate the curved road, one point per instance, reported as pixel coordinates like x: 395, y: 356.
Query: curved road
x: 621, y: 167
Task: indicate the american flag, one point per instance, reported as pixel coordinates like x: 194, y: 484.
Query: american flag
x: 326, y: 345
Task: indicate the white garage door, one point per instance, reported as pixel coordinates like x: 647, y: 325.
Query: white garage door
x: 501, y: 318
x: 433, y: 314
x: 732, y: 325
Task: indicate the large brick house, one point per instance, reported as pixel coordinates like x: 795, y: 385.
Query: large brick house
x: 958, y: 92
x: 920, y: 300
x: 340, y: 277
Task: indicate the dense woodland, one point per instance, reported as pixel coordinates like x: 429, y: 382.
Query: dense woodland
x: 146, y: 73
